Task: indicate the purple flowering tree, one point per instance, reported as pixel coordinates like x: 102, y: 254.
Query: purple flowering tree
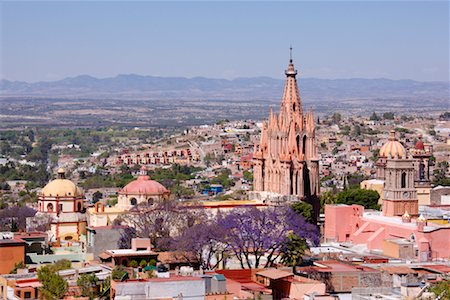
x: 14, y: 218
x: 160, y: 221
x: 255, y: 234
x: 203, y: 243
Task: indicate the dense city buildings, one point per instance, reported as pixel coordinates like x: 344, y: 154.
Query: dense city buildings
x: 224, y: 210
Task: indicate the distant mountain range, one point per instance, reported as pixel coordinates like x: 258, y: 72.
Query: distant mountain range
x: 258, y: 88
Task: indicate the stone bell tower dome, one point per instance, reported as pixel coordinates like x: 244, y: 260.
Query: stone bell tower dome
x: 400, y: 195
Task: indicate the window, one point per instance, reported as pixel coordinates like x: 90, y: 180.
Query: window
x: 403, y: 180
x: 60, y: 207
x: 79, y: 206
x: 27, y: 295
x: 50, y: 207
x: 133, y: 201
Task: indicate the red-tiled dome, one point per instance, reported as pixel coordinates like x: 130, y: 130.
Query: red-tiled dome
x: 143, y: 185
x: 392, y: 148
x: 419, y: 144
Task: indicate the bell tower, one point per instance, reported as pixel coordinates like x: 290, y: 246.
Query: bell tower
x: 400, y: 195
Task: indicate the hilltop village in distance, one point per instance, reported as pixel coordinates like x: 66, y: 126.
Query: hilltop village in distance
x: 294, y: 205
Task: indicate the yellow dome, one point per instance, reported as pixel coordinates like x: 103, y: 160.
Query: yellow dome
x: 61, y: 187
x: 392, y: 147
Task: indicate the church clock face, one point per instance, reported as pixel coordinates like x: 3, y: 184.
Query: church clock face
x: 405, y: 195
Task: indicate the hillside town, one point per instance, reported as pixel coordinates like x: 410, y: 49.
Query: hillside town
x: 297, y: 206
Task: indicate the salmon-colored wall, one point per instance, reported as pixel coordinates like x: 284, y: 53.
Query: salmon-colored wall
x: 341, y: 221
x: 9, y: 256
x: 347, y: 223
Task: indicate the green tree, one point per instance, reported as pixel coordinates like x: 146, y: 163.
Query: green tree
x: 143, y: 263
x: 62, y: 264
x: 388, y: 116
x: 356, y: 130
x: 134, y: 264
x: 441, y: 289
x: 374, y: 117
x: 366, y: 198
x: 345, y: 130
x: 180, y: 191
x: 118, y: 273
x: 293, y: 251
x: 53, y: 286
x: 336, y: 118
x: 96, y: 196
x: 248, y: 176
x: 440, y: 174
x: 88, y: 283
x: 326, y: 198
x: 304, y: 209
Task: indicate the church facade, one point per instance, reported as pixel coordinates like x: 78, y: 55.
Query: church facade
x: 286, y: 161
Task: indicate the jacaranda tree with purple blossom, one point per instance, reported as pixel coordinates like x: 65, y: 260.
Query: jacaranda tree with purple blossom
x: 258, y: 237
x: 204, y: 243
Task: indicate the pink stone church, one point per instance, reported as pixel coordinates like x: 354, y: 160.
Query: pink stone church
x: 286, y: 160
x: 397, y: 231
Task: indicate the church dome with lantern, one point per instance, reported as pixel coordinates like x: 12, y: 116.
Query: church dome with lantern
x: 61, y: 187
x: 144, y: 185
x: 141, y: 190
x: 63, y: 201
x: 392, y: 148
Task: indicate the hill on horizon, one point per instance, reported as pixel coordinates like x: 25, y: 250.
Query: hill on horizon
x: 132, y: 86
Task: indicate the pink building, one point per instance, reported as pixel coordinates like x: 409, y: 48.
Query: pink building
x: 350, y: 223
x: 397, y: 231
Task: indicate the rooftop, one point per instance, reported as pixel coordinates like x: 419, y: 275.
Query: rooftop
x: 171, y: 278
x: 274, y: 274
x: 129, y: 252
x: 330, y: 266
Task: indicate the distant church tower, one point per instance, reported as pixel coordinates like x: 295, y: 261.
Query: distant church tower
x: 286, y: 160
x: 400, y: 195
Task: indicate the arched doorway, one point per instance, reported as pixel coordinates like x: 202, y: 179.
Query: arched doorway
x: 133, y: 201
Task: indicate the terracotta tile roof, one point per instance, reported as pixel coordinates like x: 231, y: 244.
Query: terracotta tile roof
x: 274, y: 274
x: 398, y: 270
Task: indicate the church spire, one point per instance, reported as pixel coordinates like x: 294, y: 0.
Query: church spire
x: 290, y: 102
x: 291, y: 71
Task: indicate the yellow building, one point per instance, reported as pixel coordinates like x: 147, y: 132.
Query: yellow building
x: 374, y: 185
x: 61, y: 202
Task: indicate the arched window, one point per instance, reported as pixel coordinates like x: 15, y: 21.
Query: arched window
x: 304, y: 144
x: 133, y: 201
x: 50, y: 207
x: 150, y: 201
x: 79, y: 206
x: 403, y: 180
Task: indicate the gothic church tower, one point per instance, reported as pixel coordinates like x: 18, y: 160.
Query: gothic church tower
x: 286, y: 159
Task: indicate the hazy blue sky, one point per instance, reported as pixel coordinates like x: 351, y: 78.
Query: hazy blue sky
x: 53, y: 40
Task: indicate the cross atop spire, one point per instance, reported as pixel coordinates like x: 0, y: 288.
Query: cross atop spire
x: 291, y: 71
x: 290, y: 54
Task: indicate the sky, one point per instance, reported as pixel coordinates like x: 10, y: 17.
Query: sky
x: 46, y: 41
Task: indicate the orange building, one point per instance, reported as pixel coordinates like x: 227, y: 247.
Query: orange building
x: 12, y: 252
